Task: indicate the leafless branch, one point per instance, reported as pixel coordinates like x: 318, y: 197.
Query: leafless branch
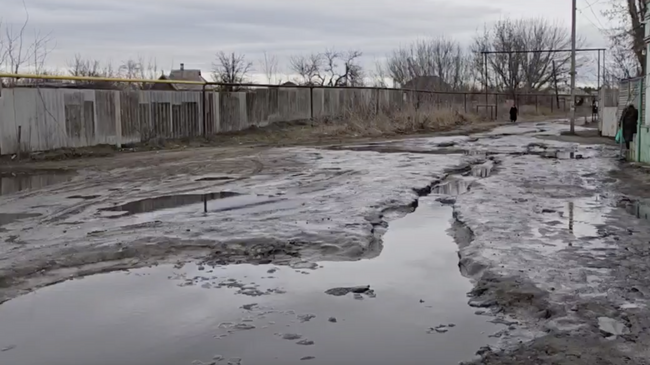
x: 269, y: 64
x: 231, y: 68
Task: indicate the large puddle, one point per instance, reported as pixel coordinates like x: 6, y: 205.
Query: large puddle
x: 415, y: 312
x: 14, y: 182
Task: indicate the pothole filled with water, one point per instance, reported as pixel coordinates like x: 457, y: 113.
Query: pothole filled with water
x: 7, y: 218
x: 409, y: 303
x: 13, y: 182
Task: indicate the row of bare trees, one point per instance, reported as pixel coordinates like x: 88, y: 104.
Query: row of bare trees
x: 456, y: 67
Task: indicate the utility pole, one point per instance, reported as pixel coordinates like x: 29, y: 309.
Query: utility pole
x: 573, y: 67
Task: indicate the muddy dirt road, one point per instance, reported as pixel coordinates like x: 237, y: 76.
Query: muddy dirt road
x: 494, y: 248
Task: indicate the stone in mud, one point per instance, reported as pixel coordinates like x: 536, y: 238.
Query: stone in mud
x: 338, y: 292
x: 244, y: 326
x: 249, y: 306
x: 305, y: 342
x: 291, y: 336
x: 306, y: 317
x: 612, y: 327
x: 332, y: 319
x: 307, y: 358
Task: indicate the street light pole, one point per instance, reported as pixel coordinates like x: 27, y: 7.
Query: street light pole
x: 573, y: 67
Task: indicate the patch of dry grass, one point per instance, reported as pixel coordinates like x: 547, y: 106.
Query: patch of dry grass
x: 359, y: 122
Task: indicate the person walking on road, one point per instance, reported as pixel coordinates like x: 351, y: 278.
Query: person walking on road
x: 513, y: 113
x: 629, y: 120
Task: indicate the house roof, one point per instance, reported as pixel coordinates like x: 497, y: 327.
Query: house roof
x: 428, y: 83
x: 185, y: 75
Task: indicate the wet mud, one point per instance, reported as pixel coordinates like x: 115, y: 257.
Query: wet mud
x: 331, y: 246
x: 203, y: 314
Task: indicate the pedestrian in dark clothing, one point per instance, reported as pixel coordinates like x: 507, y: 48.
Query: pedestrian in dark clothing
x: 629, y: 120
x: 513, y: 113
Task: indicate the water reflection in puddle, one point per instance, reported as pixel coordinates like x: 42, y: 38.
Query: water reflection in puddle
x: 639, y: 210
x: 261, y: 314
x: 14, y: 182
x: 168, y: 202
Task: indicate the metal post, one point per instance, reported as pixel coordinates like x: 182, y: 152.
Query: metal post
x: 203, y: 109
x: 311, y: 102
x: 20, y: 132
x: 486, y: 77
x: 598, y: 85
x: 604, y: 70
x: 573, y: 67
x: 465, y: 102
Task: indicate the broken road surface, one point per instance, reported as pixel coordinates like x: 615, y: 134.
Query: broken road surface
x: 322, y: 255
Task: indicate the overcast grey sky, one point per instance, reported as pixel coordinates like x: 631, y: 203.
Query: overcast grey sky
x: 192, y: 31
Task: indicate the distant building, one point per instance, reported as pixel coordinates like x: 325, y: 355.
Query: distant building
x: 289, y: 84
x: 427, y: 83
x: 181, y: 74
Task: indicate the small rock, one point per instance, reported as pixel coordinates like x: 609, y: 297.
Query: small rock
x: 244, y: 326
x: 249, y: 306
x: 306, y: 317
x: 305, y: 342
x: 345, y: 290
x: 307, y: 358
x: 612, y: 327
x: 451, y: 325
x: 291, y: 336
x: 332, y: 319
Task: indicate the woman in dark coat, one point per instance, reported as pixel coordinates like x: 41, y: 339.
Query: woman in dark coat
x: 513, y: 113
x: 629, y: 119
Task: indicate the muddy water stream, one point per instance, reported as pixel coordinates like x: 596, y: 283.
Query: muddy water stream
x: 416, y: 311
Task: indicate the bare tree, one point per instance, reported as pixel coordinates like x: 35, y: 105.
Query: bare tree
x: 269, y: 64
x: 90, y: 68
x: 380, y: 75
x: 231, y: 68
x: 330, y: 68
x: 441, y: 57
x: 308, y: 68
x: 626, y: 38
x: 513, y: 68
x: 18, y: 51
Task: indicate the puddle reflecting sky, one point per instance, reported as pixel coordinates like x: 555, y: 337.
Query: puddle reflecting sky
x: 13, y: 183
x: 166, y: 315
